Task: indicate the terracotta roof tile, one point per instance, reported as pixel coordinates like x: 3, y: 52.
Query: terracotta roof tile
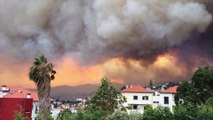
x: 170, y: 90
x: 19, y: 92
x: 137, y: 89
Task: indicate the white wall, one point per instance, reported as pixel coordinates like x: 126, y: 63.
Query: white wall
x: 130, y: 100
x: 1, y: 94
x: 171, y: 100
x: 34, y: 114
x: 140, y: 102
x: 55, y: 113
x: 159, y: 99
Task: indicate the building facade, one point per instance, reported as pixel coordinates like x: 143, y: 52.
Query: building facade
x: 10, y: 106
x: 15, y: 92
x: 138, y: 98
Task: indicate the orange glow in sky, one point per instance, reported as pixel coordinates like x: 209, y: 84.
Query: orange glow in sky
x: 71, y: 73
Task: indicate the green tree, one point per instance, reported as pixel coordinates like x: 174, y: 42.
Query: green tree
x: 118, y: 115
x: 91, y: 114
x: 199, y: 90
x: 185, y: 112
x: 65, y: 115
x: 80, y: 115
x: 107, y: 98
x: 42, y: 73
x: 205, y: 113
x: 160, y: 113
x: 187, y: 93
x: 209, y: 102
x: 202, y: 81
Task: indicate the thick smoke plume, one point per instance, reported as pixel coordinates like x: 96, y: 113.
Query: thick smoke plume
x: 95, y: 30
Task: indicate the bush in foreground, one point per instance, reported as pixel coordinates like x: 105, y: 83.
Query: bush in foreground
x: 20, y: 116
x: 65, y: 115
x: 118, y: 115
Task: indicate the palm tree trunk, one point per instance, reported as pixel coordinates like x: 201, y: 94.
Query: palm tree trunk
x: 44, y: 88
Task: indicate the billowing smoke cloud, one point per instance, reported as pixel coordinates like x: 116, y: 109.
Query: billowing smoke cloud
x: 128, y: 28
x: 93, y: 31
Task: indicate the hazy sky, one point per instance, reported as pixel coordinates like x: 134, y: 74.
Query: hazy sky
x: 130, y: 41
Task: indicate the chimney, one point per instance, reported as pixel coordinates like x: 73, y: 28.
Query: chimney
x: 28, y: 95
x: 4, y: 88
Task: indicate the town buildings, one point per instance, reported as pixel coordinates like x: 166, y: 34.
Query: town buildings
x: 138, y: 98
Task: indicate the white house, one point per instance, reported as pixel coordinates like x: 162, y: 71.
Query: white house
x: 137, y: 97
x: 167, y: 97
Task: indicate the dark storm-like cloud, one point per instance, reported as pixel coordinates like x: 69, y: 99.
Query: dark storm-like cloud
x: 92, y: 31
x: 197, y: 51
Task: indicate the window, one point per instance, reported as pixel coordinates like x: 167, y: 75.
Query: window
x: 166, y: 100
x: 36, y: 109
x: 135, y: 97
x: 145, y: 98
x: 135, y: 107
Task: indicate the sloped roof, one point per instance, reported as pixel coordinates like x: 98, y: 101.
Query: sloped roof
x: 172, y: 90
x: 136, y: 89
x: 19, y: 92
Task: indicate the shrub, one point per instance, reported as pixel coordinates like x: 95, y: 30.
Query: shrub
x: 47, y: 117
x: 159, y: 113
x: 65, y: 115
x: 205, y: 113
x: 135, y: 116
x: 80, y: 115
x: 91, y: 114
x: 183, y: 113
x: 20, y: 116
x: 118, y: 115
x: 209, y: 101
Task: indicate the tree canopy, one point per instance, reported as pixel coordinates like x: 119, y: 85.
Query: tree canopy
x: 199, y: 89
x: 107, y: 98
x: 202, y: 81
x: 41, y: 70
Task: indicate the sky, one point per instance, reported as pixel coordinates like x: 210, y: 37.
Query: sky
x: 129, y: 41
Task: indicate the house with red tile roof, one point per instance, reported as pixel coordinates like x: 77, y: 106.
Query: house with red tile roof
x: 167, y: 97
x: 19, y: 92
x: 138, y: 97
x: 136, y: 89
x: 171, y: 90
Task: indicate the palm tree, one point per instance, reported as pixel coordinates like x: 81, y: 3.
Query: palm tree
x: 42, y: 73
